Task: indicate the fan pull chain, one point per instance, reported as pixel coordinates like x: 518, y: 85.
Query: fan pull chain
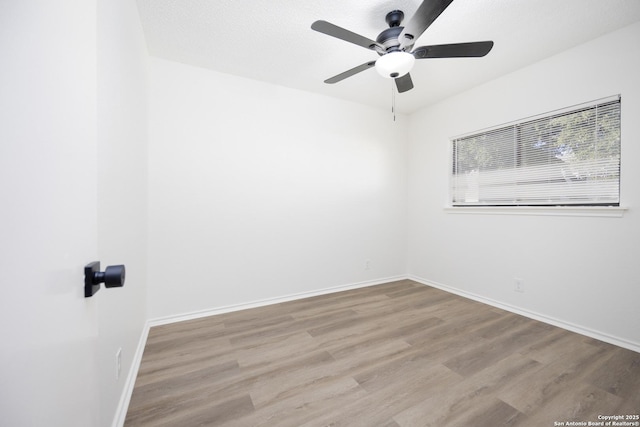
x: 393, y: 100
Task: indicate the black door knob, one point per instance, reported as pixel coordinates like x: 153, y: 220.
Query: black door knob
x: 112, y: 277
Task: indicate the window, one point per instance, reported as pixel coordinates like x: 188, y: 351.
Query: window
x: 562, y: 158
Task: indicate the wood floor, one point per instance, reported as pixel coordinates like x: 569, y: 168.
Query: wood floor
x: 398, y: 354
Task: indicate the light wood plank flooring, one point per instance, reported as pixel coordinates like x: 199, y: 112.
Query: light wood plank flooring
x: 398, y: 354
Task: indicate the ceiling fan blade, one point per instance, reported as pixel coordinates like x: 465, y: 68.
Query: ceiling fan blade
x: 456, y: 50
x: 427, y: 12
x: 351, y: 72
x: 404, y: 83
x: 342, y: 34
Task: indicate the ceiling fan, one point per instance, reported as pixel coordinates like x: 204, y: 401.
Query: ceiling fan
x: 395, y: 44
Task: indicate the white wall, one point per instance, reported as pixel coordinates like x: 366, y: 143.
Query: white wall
x: 122, y: 190
x: 258, y: 191
x: 72, y: 190
x: 577, y: 270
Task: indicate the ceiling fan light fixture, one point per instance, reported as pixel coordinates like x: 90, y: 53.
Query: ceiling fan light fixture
x: 394, y: 64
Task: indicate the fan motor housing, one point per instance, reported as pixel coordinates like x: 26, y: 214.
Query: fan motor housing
x: 389, y: 38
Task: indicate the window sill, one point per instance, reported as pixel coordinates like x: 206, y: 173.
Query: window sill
x: 589, y: 211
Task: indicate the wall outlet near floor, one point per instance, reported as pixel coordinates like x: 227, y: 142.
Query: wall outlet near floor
x: 118, y: 362
x: 367, y: 264
x: 518, y: 285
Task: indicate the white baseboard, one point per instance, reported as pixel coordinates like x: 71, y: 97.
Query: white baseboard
x: 269, y: 301
x: 130, y: 382
x: 620, y: 342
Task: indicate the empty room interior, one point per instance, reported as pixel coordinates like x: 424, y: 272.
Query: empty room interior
x: 310, y: 238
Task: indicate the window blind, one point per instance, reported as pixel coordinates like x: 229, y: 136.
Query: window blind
x: 563, y: 158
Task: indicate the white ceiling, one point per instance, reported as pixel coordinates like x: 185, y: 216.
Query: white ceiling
x: 271, y: 40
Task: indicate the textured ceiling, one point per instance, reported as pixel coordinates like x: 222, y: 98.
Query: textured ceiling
x: 271, y: 40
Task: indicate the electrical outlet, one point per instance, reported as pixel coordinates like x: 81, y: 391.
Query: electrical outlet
x: 518, y: 285
x: 118, y: 362
x: 367, y: 264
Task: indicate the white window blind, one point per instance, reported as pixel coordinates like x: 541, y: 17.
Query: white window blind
x: 562, y: 158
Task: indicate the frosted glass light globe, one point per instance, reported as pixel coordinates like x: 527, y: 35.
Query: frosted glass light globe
x: 394, y: 64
